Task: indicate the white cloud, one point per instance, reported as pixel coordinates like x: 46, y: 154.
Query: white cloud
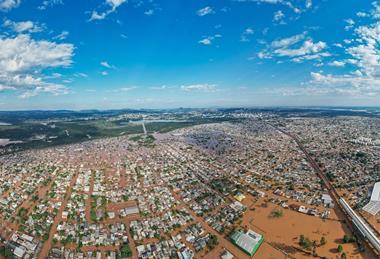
x: 291, y: 47
x: 54, y: 89
x: 115, y: 3
x: 96, y: 16
x: 22, y: 61
x: 112, y: 6
x: 362, y: 14
x: 6, y: 5
x: 367, y: 53
x: 365, y: 79
x: 104, y: 73
x: 149, y: 12
x: 81, y: 75
x: 208, y: 40
x: 336, y: 63
x: 48, y: 3
x: 23, y: 53
x: 63, y: 35
x: 308, y: 47
x: 375, y: 13
x: 286, y: 42
x: 287, y: 3
x: 106, y: 64
x: 199, y: 88
x: 21, y: 27
x: 353, y: 82
x: 205, y: 11
x: 278, y: 16
x: 350, y: 24
x: 308, y: 4
x: 245, y: 35
x: 127, y: 89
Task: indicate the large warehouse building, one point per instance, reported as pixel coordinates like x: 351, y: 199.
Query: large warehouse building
x: 373, y: 207
x: 248, y: 242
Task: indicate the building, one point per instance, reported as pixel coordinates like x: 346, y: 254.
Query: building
x: 373, y: 206
x: 248, y: 242
x: 226, y: 255
x: 327, y: 201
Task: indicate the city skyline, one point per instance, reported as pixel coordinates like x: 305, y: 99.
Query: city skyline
x: 112, y: 54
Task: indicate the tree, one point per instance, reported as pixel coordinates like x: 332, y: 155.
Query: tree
x: 343, y: 256
x: 6, y: 253
x: 349, y: 239
x: 323, y: 241
x: 340, y: 248
x: 276, y: 213
x: 305, y: 242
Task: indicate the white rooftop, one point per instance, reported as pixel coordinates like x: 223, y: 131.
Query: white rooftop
x: 375, y: 196
x: 373, y: 206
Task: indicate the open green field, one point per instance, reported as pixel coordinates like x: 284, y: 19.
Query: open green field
x: 36, y: 134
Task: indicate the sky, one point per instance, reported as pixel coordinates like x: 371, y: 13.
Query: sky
x: 111, y: 54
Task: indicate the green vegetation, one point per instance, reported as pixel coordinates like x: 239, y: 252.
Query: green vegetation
x: 6, y: 253
x: 323, y: 241
x: 305, y: 243
x: 125, y: 251
x: 40, y: 133
x: 276, y: 213
x: 340, y: 248
x: 349, y: 239
x: 212, y: 242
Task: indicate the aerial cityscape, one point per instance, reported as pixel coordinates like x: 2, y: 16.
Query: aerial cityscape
x: 169, y: 129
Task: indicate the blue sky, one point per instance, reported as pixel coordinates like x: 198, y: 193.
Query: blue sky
x: 66, y: 54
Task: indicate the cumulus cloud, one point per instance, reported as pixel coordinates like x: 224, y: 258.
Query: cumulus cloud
x: 336, y: 63
x: 295, y: 47
x: 350, y: 24
x: 112, y: 5
x: 55, y: 89
x: 286, y: 42
x: 348, y: 83
x: 375, y: 12
x: 367, y: 53
x: 199, y: 88
x: 308, y: 47
x: 6, y: 5
x: 364, y: 80
x: 23, y: 59
x: 205, y: 11
x: 362, y: 14
x: 22, y: 53
x: 23, y: 26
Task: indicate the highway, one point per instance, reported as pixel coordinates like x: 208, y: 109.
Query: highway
x: 353, y: 220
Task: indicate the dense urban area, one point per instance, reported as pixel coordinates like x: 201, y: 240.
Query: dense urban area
x: 217, y: 184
